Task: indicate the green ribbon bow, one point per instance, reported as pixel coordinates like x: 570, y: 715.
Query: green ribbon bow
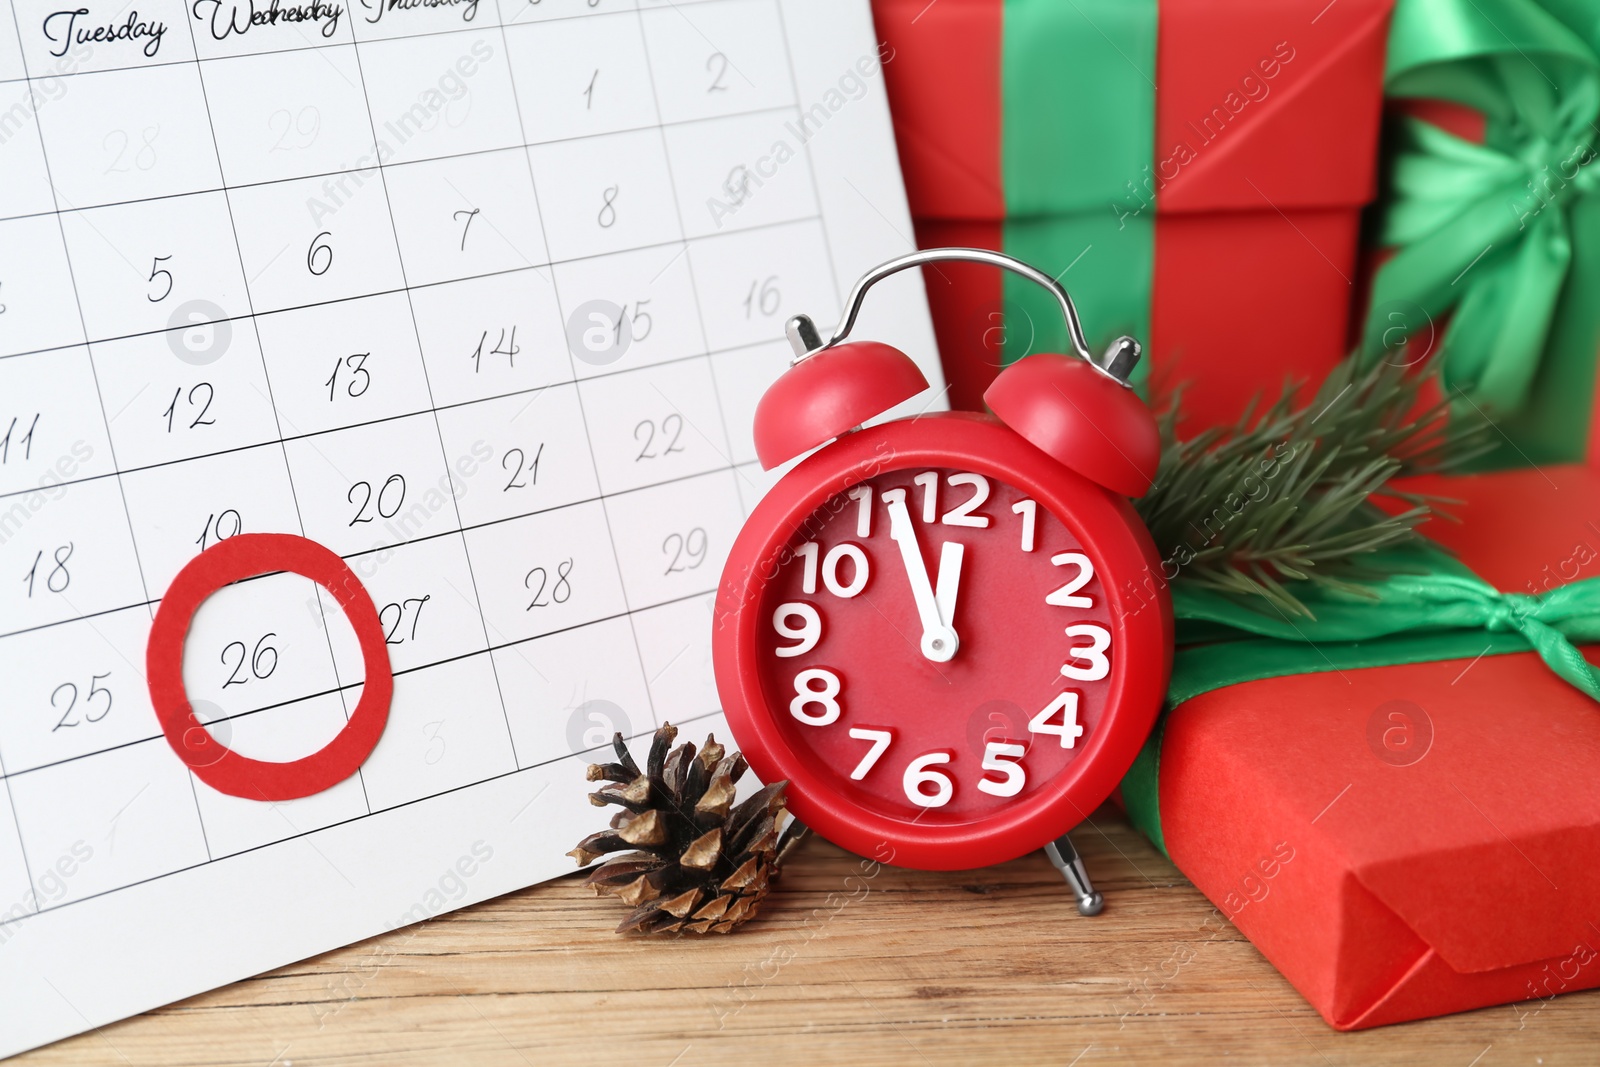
x: 1430, y: 607
x: 1502, y: 235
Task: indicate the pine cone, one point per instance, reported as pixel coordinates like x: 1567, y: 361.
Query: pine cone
x: 703, y: 863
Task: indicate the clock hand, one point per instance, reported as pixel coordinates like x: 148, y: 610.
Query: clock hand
x: 938, y: 639
x: 948, y: 583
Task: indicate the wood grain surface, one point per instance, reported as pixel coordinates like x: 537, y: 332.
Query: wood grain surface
x: 904, y: 969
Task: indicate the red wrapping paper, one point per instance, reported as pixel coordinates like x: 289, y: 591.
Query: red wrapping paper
x: 1256, y: 240
x: 1412, y: 887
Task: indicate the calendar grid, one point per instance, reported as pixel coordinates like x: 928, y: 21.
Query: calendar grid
x: 444, y: 456
x: 347, y: 687
x: 288, y: 438
x: 205, y: 838
x: 583, y: 414
x: 424, y: 285
x: 78, y: 307
x: 7, y: 921
x: 811, y: 164
x: 266, y: 377
x: 546, y: 249
x: 565, y: 506
x: 16, y: 829
x: 694, y: 287
x: 266, y: 183
x: 309, y: 46
x: 105, y: 422
x: 753, y: 228
x: 686, y: 275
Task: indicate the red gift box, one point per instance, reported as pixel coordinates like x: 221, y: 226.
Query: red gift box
x: 1263, y: 132
x: 1408, y: 841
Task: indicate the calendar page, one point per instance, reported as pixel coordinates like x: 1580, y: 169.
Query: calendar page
x: 480, y: 296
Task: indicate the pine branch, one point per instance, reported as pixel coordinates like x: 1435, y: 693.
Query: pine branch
x: 1285, y: 496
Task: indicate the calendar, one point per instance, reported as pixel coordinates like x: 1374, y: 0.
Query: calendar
x: 479, y: 295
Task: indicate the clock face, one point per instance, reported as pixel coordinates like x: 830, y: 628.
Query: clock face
x: 937, y: 646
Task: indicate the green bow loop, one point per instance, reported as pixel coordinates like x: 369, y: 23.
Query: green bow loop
x: 1484, y: 232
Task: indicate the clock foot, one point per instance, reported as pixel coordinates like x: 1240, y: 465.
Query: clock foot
x: 1064, y: 858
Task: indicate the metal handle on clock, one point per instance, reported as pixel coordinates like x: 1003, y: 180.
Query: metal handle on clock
x: 1117, y: 363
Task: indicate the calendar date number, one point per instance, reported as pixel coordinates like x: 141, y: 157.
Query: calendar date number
x: 195, y: 409
x: 523, y: 470
x: 24, y: 443
x: 50, y: 573
x: 549, y: 587
x: 262, y: 661
x: 393, y: 617
x: 351, y: 373
x: 219, y: 527
x: 659, y: 438
x: 387, y: 501
x: 95, y: 704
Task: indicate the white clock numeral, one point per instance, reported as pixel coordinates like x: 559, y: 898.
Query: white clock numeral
x: 808, y: 573
x: 827, y: 697
x: 929, y: 481
x: 962, y: 513
x: 1098, y: 665
x: 919, y: 772
x: 862, y: 494
x: 829, y: 569
x: 1029, y: 510
x: 807, y: 634
x: 1068, y: 730
x: 1063, y: 597
x: 858, y: 570
x: 880, y: 741
x: 998, y: 756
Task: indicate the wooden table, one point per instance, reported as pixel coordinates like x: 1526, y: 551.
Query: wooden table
x: 905, y: 969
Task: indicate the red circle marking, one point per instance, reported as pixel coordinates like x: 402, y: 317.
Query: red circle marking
x: 246, y: 556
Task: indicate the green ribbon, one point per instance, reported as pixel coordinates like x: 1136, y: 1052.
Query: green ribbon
x: 1503, y: 236
x: 1429, y: 608
x: 1078, y: 118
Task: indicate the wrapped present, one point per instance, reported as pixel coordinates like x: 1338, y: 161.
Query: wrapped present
x: 1215, y: 218
x: 1489, y: 222
x: 1397, y: 802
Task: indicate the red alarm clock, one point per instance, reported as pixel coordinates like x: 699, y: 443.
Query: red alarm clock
x: 941, y: 629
